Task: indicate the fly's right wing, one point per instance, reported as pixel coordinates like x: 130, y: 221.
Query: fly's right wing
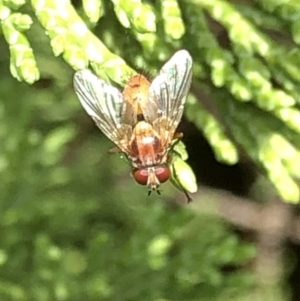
x: 105, y: 104
x: 168, y: 92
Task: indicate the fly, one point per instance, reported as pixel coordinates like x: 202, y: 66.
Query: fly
x: 141, y: 121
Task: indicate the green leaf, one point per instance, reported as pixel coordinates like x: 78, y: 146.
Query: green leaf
x: 182, y: 176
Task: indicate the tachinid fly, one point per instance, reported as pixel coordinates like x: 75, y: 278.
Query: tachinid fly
x: 141, y: 121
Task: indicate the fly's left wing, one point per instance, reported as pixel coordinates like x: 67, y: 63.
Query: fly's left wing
x: 105, y: 104
x: 169, y: 91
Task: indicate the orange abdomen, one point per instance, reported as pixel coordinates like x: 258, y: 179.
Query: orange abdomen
x: 136, y: 92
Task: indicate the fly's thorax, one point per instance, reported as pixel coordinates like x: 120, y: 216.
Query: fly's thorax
x: 152, y: 176
x: 146, y: 146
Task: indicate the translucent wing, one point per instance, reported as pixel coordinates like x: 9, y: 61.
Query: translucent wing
x: 168, y: 92
x: 105, y: 105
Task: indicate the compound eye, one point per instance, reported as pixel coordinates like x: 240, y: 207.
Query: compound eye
x: 141, y: 176
x: 162, y: 173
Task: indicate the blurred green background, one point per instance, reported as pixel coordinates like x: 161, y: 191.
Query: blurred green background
x: 75, y: 226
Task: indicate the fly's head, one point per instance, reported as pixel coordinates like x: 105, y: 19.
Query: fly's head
x: 152, y: 176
